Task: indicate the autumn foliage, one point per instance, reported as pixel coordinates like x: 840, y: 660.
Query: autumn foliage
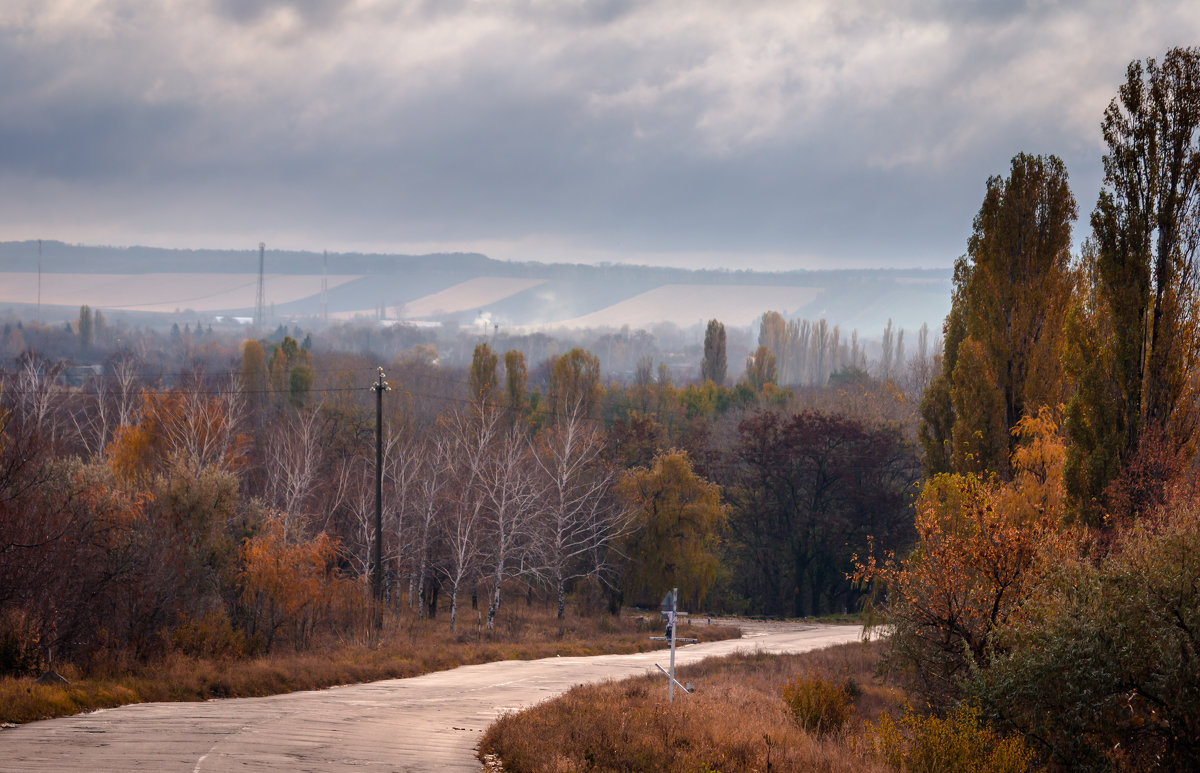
x: 982, y: 548
x: 286, y: 580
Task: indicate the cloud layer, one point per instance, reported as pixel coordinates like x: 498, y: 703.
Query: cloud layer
x: 778, y: 134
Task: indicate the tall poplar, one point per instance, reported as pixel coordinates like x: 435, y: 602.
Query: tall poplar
x: 1005, y: 327
x: 483, y: 381
x: 1141, y: 309
x: 713, y: 367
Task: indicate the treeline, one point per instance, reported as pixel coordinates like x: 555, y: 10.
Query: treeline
x: 232, y: 508
x: 1056, y: 580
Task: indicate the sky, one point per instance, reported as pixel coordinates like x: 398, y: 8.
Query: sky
x: 733, y: 134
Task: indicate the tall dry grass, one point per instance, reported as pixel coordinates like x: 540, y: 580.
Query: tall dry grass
x: 406, y: 646
x: 736, y: 720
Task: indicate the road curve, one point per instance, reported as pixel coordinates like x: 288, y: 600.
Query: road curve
x: 430, y: 722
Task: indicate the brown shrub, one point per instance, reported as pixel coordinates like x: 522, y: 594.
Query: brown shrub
x: 818, y: 705
x: 734, y: 721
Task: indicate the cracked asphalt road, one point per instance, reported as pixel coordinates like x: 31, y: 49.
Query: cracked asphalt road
x: 430, y: 722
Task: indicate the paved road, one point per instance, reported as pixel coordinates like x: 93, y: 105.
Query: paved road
x: 430, y: 722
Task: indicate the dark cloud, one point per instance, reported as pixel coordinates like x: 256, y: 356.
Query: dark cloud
x: 313, y: 12
x: 851, y: 131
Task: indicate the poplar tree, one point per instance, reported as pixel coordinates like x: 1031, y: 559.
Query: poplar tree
x: 761, y: 369
x: 515, y: 378
x: 1133, y: 413
x: 1003, y: 334
x: 483, y: 380
x: 713, y: 367
x: 575, y: 384
x: 253, y: 377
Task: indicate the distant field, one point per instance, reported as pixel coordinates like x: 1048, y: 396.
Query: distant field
x: 464, y: 296
x: 686, y: 305
x: 159, y: 292
x: 472, y: 294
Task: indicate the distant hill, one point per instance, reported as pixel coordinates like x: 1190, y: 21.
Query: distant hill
x: 457, y: 288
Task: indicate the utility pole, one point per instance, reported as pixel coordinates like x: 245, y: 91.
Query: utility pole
x: 379, y: 387
x: 325, y: 290
x: 260, y: 301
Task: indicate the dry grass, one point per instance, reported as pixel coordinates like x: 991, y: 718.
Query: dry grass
x: 736, y: 720
x: 406, y: 647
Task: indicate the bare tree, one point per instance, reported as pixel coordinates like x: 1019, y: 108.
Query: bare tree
x: 436, y: 476
x: 510, y: 514
x: 36, y: 391
x: 106, y: 403
x: 579, y: 520
x: 401, y: 472
x: 204, y: 432
x: 473, y: 435
x: 293, y: 460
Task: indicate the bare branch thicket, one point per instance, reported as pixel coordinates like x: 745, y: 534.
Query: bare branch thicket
x: 293, y: 461
x: 473, y: 437
x: 36, y: 394
x: 436, y: 475
x: 580, y: 520
x: 401, y: 471
x: 511, y: 514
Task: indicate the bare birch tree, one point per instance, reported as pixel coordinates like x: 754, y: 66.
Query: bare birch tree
x: 510, y: 514
x: 579, y: 520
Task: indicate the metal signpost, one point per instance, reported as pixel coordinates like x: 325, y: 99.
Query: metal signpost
x: 671, y: 613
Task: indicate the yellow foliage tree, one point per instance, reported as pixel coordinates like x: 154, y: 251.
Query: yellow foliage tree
x: 679, y: 520
x: 982, y: 548
x: 286, y: 581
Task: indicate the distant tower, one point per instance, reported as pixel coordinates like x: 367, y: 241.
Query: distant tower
x: 260, y: 302
x: 39, y: 305
x: 325, y: 291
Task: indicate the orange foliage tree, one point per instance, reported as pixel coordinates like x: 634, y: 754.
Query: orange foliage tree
x: 180, y: 431
x: 287, y: 582
x: 981, y: 550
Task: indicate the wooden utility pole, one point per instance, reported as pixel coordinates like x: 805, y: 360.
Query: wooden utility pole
x: 379, y: 387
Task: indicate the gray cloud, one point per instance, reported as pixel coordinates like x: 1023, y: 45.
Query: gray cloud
x: 831, y: 132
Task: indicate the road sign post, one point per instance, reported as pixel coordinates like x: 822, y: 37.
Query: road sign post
x: 671, y: 613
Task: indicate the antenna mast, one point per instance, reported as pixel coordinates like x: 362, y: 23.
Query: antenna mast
x: 325, y: 290
x: 39, y: 303
x: 260, y: 301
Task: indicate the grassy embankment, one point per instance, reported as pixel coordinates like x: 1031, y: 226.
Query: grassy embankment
x: 825, y: 710
x: 411, y: 648
x: 736, y: 720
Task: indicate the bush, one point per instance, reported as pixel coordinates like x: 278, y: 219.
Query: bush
x: 20, y: 644
x: 957, y: 743
x: 1101, y: 668
x: 818, y: 705
x: 210, y: 636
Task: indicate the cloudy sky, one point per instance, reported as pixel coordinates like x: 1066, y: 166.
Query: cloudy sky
x: 804, y: 134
